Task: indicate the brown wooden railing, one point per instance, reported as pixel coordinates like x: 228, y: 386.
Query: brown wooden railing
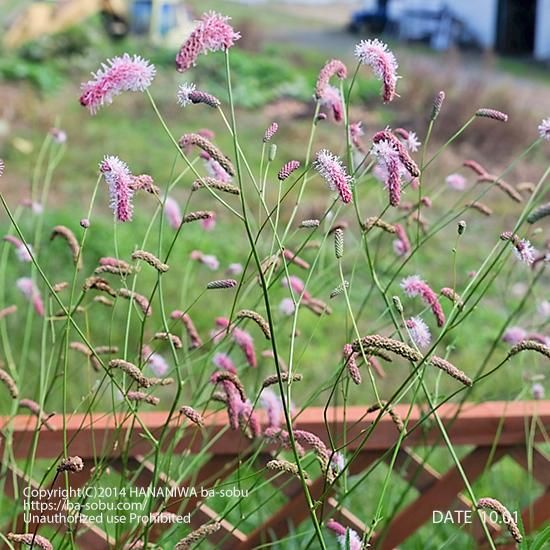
x: 494, y: 430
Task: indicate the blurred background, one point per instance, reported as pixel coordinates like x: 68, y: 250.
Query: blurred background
x: 482, y: 53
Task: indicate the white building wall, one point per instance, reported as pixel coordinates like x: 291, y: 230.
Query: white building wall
x: 481, y: 18
x: 542, y: 30
x: 479, y: 15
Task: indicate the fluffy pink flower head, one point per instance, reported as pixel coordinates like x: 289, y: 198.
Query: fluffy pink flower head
x: 223, y: 362
x: 209, y: 223
x: 537, y: 390
x: 412, y: 143
x: 27, y: 287
x: 155, y: 361
x: 332, y: 99
x: 273, y: 406
x: 209, y: 260
x: 419, y: 332
x: 514, y: 335
x: 381, y: 60
x: 343, y: 534
x: 213, y: 33
x: 544, y: 129
x: 333, y: 172
x: 286, y: 307
x: 334, y: 67
x: 172, y: 213
x: 20, y: 249
x: 234, y: 269
x: 118, y: 177
x: 525, y: 252
x: 120, y: 74
x: 415, y: 286
x: 456, y: 181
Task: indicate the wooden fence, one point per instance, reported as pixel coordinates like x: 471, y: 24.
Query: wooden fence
x: 493, y: 430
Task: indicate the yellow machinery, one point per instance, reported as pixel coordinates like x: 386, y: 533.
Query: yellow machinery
x: 167, y: 21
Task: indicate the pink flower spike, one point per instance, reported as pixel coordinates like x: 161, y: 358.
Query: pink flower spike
x: 333, y: 172
x: 381, y: 60
x: 456, y: 181
x: 270, y: 132
x: 351, y: 364
x: 118, y: 177
x: 286, y: 307
x: 334, y: 67
x: 333, y: 100
x: 213, y: 33
x: 215, y: 170
x: 223, y: 362
x: 401, y: 245
x: 418, y: 332
x: 155, y: 361
x: 296, y: 285
x: 28, y: 288
x: 120, y: 74
x: 356, y: 133
x: 544, y: 129
x: 208, y: 224
x: 287, y: 169
x: 21, y: 250
x: 347, y: 538
x: 390, y: 169
x: 172, y: 212
x: 525, y: 252
x: 514, y: 335
x: 415, y: 286
x: 246, y: 343
x: 273, y: 406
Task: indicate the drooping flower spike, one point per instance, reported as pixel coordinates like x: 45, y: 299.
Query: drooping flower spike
x: 333, y: 172
x: 213, y: 33
x: 415, y: 286
x: 334, y: 67
x: 28, y: 288
x: 21, y: 250
x: 381, y: 60
x: 120, y: 74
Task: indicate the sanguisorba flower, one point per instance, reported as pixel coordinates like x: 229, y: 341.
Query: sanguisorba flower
x: 120, y: 180
x: 332, y: 99
x: 544, y: 129
x: 213, y: 33
x: 415, y: 286
x: 419, y: 332
x: 119, y: 74
x: 334, y: 67
x: 333, y: 172
x: 456, y: 181
x: 381, y: 60
x: 172, y: 213
x: 28, y: 288
x: 389, y: 169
